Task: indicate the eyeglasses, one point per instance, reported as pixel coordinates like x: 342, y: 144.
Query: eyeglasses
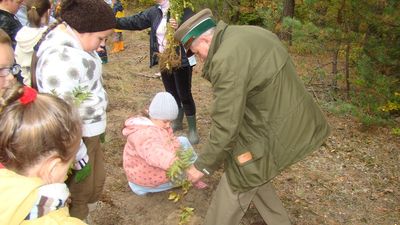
x: 14, y: 70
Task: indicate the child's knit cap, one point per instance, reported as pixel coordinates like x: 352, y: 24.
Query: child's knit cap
x: 87, y: 16
x: 163, y: 107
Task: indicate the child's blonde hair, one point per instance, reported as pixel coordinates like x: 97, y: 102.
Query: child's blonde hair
x: 31, y: 131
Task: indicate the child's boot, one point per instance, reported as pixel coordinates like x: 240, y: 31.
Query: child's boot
x: 192, y: 136
x: 115, y: 48
x: 121, y: 46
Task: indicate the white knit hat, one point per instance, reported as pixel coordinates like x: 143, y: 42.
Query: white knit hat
x: 163, y: 107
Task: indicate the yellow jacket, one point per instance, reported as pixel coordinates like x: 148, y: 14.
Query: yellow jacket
x: 18, y: 195
x: 119, y: 14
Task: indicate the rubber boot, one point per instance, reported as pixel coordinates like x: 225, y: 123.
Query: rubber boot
x: 121, y: 46
x: 177, y: 123
x: 115, y: 48
x: 192, y: 135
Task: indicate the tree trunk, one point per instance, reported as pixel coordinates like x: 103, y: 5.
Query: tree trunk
x: 347, y: 73
x: 335, y: 70
x: 288, y: 11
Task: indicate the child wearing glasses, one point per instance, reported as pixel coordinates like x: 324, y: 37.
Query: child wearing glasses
x: 8, y: 69
x: 34, y: 163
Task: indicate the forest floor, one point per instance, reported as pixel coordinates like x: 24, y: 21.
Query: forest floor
x: 352, y: 179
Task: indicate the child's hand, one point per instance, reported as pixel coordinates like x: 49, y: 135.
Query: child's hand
x: 68, y: 201
x: 193, y: 174
x: 200, y: 185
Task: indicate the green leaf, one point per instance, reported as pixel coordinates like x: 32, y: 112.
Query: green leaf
x: 80, y: 175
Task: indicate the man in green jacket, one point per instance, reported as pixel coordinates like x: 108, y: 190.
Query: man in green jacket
x: 263, y: 118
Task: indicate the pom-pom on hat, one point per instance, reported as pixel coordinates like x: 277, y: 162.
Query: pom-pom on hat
x: 88, y: 16
x: 192, y: 27
x: 163, y: 107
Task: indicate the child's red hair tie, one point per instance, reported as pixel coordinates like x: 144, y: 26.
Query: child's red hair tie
x: 28, y: 96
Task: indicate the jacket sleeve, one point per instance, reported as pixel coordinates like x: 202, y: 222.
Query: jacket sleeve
x: 138, y: 21
x: 229, y: 83
x: 118, y: 7
x: 10, y: 27
x: 149, y: 146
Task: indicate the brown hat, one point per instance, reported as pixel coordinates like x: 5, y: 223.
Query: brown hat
x: 193, y: 27
x: 88, y: 16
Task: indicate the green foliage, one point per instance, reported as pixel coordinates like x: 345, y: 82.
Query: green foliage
x: 358, y: 110
x: 80, y: 95
x: 176, y: 173
x: 80, y: 175
x: 396, y: 131
x: 393, y: 104
x: 186, y: 214
x: 378, y: 93
x: 146, y: 3
x: 265, y: 16
x: 170, y: 59
x: 103, y: 137
x: 341, y: 108
x: 306, y: 37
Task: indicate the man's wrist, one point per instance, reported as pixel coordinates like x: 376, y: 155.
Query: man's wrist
x: 204, y: 170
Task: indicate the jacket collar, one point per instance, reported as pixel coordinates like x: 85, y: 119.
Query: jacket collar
x: 215, y: 43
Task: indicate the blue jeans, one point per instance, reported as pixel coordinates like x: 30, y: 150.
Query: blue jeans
x: 143, y: 190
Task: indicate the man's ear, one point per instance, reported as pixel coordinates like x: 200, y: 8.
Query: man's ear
x: 49, y: 168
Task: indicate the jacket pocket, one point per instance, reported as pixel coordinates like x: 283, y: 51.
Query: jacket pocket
x: 248, y: 166
x: 249, y: 154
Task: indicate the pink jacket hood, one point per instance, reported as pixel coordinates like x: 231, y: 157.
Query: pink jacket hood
x: 134, y: 124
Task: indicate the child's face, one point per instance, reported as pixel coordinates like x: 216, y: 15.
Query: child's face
x: 6, y: 62
x: 162, y: 123
x: 12, y: 6
x: 92, y: 41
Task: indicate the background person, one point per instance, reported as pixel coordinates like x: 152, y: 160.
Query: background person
x: 118, y: 41
x: 38, y: 13
x: 178, y: 82
x: 8, y: 21
x: 263, y: 118
x: 67, y: 62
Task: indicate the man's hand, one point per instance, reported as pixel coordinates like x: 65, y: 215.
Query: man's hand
x: 193, y: 174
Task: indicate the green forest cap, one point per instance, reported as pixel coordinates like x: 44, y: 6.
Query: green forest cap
x: 193, y: 27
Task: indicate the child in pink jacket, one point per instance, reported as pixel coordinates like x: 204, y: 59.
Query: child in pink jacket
x: 151, y: 147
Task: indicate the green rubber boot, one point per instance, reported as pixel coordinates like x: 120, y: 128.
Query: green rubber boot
x: 192, y: 135
x: 177, y: 123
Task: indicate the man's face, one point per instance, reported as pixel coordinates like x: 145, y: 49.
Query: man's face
x: 13, y: 5
x: 200, y: 47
